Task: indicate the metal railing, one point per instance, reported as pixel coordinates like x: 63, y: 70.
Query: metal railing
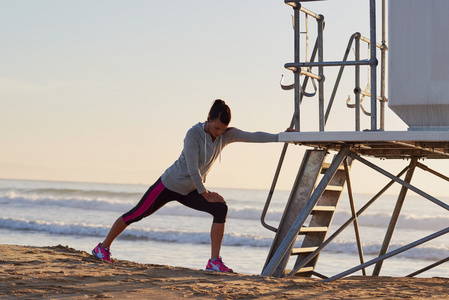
x: 303, y: 68
x: 297, y: 68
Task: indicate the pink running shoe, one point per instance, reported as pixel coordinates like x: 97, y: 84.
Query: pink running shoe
x: 102, y: 253
x: 217, y: 265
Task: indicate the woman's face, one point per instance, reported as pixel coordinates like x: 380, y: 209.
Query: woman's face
x: 216, y: 128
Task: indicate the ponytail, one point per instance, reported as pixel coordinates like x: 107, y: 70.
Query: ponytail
x: 220, y: 110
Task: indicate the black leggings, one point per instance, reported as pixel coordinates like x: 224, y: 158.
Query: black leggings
x: 158, y: 195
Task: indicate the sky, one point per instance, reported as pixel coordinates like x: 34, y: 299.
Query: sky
x: 104, y: 91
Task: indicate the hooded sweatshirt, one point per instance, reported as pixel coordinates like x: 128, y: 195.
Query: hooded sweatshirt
x: 200, y: 152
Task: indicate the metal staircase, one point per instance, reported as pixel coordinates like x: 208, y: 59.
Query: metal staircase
x: 321, y: 215
x: 321, y: 219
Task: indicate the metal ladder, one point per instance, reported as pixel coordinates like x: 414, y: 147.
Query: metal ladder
x: 320, y: 217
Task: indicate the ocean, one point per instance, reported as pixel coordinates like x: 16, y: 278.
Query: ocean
x: 79, y: 215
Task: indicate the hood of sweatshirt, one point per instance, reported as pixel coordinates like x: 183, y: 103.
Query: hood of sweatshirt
x: 220, y: 142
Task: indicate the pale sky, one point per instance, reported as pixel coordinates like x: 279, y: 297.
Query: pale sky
x: 104, y: 91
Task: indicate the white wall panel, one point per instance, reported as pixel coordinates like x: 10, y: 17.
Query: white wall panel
x: 418, y: 86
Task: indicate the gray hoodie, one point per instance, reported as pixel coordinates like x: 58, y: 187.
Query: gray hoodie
x: 200, y: 152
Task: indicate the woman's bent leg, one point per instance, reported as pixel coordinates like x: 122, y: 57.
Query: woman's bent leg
x: 216, y: 237
x: 218, y: 211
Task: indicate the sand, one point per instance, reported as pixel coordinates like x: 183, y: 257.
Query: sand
x: 64, y: 273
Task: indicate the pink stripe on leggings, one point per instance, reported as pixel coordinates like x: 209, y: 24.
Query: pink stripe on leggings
x: 144, y: 207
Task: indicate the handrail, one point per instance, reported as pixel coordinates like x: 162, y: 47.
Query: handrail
x: 312, y: 14
x: 365, y: 62
x: 283, y: 153
x: 292, y: 123
x: 296, y: 4
x: 276, y: 177
x: 273, y: 186
x: 366, y: 40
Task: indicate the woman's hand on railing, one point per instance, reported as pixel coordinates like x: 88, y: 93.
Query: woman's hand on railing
x: 291, y: 130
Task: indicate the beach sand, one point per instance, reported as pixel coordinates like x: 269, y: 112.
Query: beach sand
x: 64, y: 273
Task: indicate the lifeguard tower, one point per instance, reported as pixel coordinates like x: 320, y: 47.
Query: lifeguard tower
x: 417, y: 93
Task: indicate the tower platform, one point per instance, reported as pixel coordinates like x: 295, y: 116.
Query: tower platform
x: 380, y: 144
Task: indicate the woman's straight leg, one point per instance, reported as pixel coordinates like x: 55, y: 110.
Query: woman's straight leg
x: 156, y: 197
x: 114, y: 232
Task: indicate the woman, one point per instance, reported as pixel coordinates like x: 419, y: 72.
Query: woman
x: 183, y: 181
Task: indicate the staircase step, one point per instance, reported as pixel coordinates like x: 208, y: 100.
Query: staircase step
x: 323, y: 208
x: 297, y: 251
x: 306, y: 269
x: 327, y: 165
x: 302, y: 270
x: 334, y: 188
x: 312, y: 229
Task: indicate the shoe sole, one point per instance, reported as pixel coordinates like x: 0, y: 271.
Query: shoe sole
x: 212, y: 270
